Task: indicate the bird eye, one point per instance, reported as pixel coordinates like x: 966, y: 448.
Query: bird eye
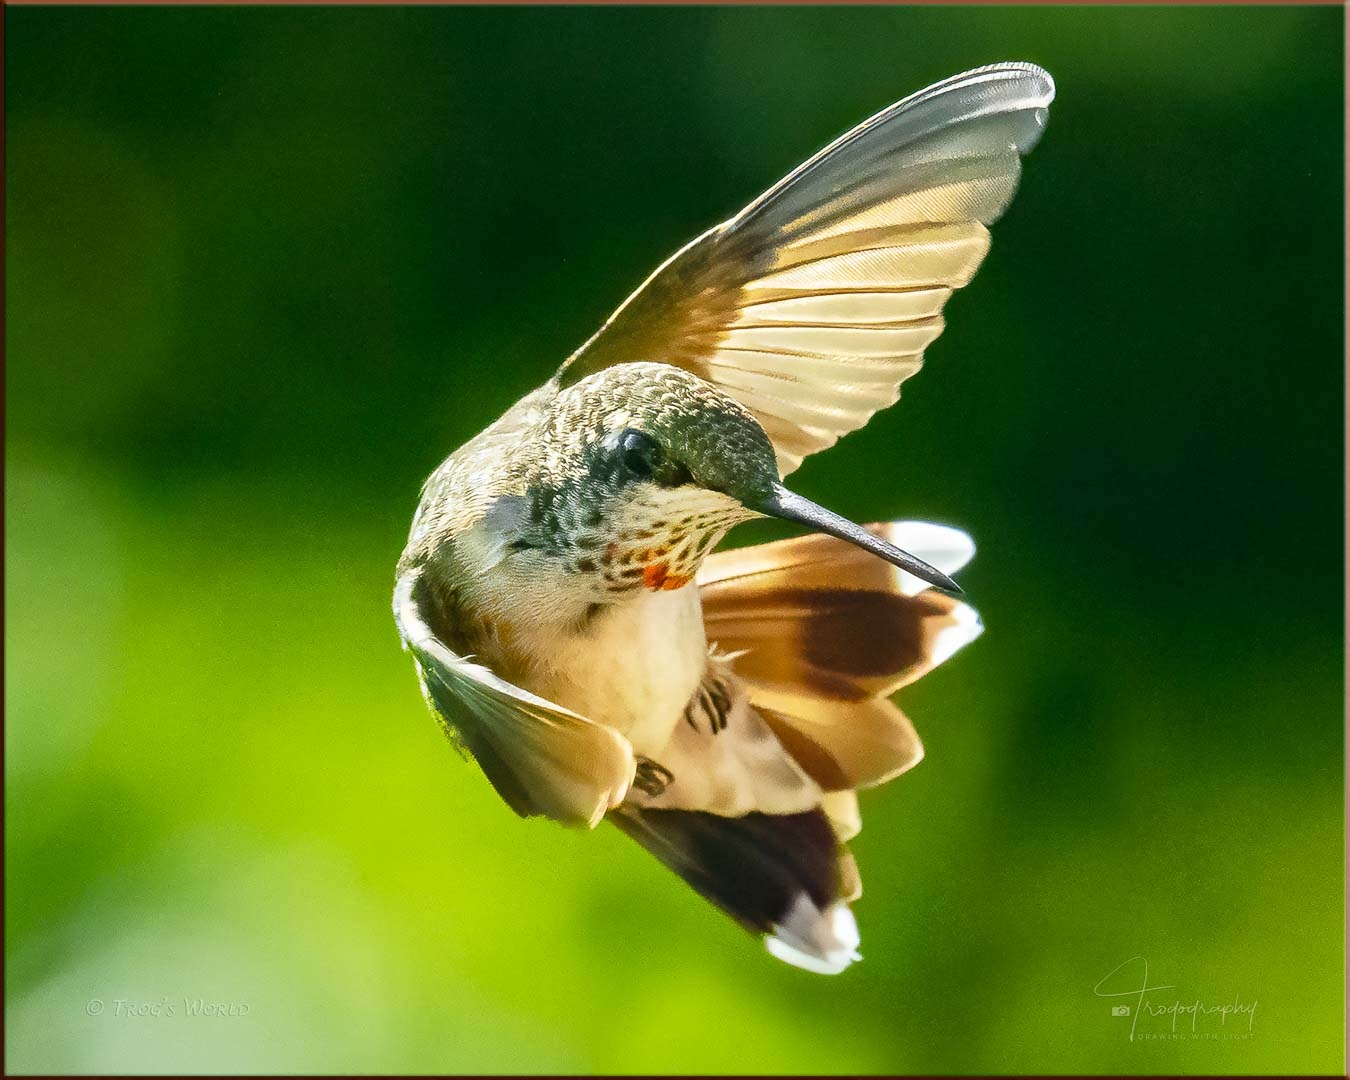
x: 639, y: 453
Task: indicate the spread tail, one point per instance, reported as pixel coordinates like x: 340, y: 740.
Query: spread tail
x: 784, y: 875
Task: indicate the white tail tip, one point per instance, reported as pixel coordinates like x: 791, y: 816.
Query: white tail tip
x: 825, y: 942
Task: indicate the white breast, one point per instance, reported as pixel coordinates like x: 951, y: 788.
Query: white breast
x: 633, y: 666
x: 633, y: 661
x: 629, y: 659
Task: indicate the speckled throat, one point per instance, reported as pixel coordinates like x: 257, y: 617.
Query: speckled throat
x: 655, y: 540
x: 664, y: 540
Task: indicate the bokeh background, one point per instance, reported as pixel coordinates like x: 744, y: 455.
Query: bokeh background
x: 266, y: 267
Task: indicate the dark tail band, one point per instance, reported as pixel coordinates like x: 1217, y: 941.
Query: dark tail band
x: 776, y: 874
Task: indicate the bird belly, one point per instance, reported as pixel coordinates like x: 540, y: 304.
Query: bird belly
x: 640, y: 664
x: 633, y: 666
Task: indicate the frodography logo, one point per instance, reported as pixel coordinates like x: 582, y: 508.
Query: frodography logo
x: 1156, y: 1014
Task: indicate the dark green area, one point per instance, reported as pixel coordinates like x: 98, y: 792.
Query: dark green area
x: 265, y: 268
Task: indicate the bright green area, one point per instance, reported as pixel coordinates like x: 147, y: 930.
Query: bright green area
x: 265, y: 268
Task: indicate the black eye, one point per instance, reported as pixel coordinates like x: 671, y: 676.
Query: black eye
x: 639, y: 453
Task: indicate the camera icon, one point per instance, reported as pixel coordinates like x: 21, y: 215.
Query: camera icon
x: 1120, y: 1010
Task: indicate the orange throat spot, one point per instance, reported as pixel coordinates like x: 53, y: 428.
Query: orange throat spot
x: 657, y: 575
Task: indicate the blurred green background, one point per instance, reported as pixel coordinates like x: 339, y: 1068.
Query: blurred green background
x: 266, y: 268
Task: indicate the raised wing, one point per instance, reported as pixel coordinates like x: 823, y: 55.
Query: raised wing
x: 817, y: 300
x: 541, y: 758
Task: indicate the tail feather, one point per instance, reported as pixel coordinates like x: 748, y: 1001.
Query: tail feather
x: 784, y: 875
x: 819, y: 634
x: 822, y: 633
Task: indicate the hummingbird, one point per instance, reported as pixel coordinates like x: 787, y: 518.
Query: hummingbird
x: 572, y: 627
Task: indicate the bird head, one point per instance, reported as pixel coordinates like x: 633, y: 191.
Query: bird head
x: 645, y: 466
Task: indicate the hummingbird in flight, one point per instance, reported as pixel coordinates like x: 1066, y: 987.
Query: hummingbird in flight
x: 573, y: 629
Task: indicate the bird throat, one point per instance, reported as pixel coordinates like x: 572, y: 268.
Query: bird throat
x: 661, y: 543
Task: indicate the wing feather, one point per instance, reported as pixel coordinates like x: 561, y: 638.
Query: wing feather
x: 814, y: 303
x: 542, y: 759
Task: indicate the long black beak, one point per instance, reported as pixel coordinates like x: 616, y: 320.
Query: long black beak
x: 781, y: 503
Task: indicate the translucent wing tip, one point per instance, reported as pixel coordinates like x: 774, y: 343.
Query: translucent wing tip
x: 1029, y: 85
x: 1040, y: 83
x: 1043, y: 92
